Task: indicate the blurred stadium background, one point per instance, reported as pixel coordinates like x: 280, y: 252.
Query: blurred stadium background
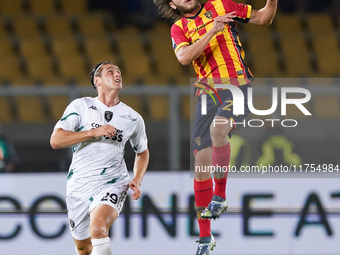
x: 47, y: 48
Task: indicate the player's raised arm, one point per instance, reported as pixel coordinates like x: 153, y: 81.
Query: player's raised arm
x: 264, y: 16
x: 61, y: 138
x: 187, y: 53
x: 139, y: 169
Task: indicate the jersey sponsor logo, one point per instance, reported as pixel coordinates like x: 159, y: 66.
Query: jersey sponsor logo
x: 128, y: 116
x: 119, y: 133
x: 108, y: 115
x: 199, y: 27
x: 93, y: 107
x: 95, y: 125
x: 118, y: 136
x: 208, y: 14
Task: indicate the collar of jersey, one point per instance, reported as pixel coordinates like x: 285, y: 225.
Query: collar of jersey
x: 105, y: 106
x: 198, y: 13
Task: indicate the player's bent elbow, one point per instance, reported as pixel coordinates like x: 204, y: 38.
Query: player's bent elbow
x: 183, y: 56
x: 54, y: 144
x: 267, y: 23
x: 183, y: 59
x: 184, y: 62
x: 260, y: 18
x: 56, y: 139
x: 263, y: 22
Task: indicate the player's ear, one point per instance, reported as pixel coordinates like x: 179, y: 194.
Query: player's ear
x: 96, y: 80
x: 172, y: 5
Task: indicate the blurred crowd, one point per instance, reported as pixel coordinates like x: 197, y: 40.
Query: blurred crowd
x: 143, y: 13
x: 139, y: 13
x: 289, y: 6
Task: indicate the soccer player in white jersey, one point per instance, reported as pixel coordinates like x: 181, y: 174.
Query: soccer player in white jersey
x: 97, y: 183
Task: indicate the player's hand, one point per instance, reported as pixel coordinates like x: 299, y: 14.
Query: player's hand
x: 221, y: 21
x: 105, y: 130
x: 134, y: 185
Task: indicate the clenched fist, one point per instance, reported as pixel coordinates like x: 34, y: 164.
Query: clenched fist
x: 105, y: 130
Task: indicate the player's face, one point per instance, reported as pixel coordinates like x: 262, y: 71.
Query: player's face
x: 185, y: 6
x: 111, y: 77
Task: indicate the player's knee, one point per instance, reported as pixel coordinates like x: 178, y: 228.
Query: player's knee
x: 98, y: 232
x: 203, y: 157
x: 219, y: 132
x: 200, y: 162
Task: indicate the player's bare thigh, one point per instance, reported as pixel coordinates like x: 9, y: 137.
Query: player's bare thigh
x: 102, y: 217
x: 219, y: 130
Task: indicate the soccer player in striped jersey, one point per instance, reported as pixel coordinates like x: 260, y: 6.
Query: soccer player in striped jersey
x: 97, y: 128
x: 206, y: 36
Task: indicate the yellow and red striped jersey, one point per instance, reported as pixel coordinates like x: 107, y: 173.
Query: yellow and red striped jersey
x: 222, y: 61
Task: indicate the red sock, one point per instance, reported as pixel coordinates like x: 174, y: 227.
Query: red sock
x: 221, y: 158
x: 203, y: 196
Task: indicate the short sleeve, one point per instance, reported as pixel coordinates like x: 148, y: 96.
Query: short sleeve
x: 138, y: 139
x: 70, y: 121
x: 178, y: 36
x: 243, y: 11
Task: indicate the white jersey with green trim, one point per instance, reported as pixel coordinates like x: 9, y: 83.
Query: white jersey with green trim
x: 100, y: 161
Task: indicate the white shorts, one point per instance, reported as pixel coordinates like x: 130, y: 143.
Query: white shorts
x: 79, y: 208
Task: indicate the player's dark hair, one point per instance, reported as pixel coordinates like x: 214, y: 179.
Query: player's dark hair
x: 166, y: 11
x: 97, y: 71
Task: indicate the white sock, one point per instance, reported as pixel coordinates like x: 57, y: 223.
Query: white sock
x: 101, y: 246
